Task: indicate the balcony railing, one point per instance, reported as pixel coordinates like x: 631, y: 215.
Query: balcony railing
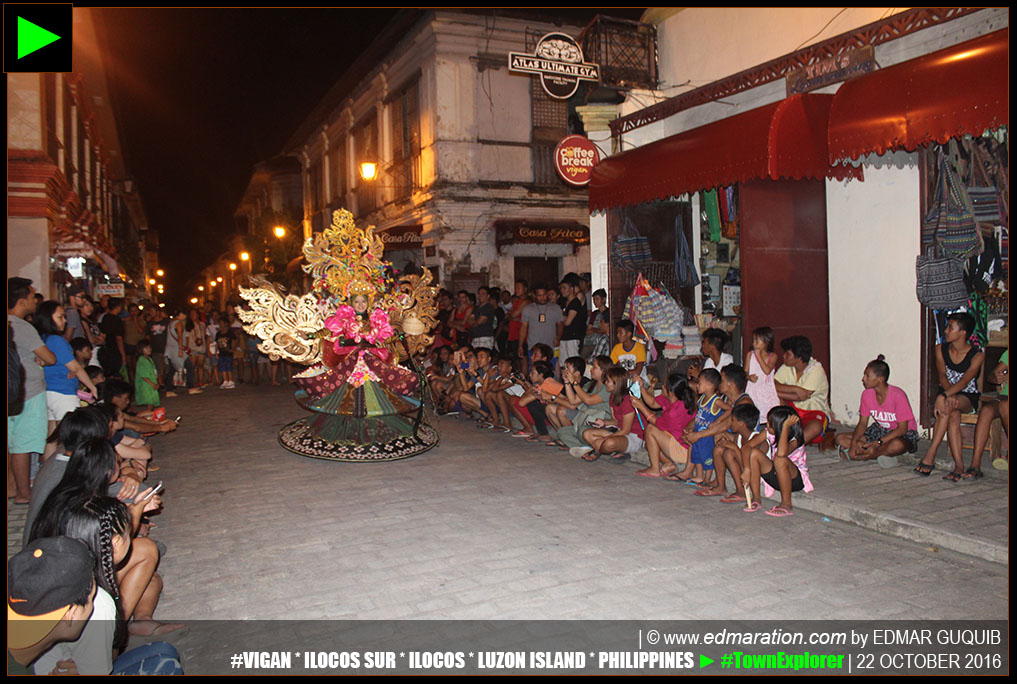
x: 625, y: 50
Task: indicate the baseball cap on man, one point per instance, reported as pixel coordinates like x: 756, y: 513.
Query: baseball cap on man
x: 43, y: 581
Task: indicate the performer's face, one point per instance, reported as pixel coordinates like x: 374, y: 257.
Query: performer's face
x: 360, y: 303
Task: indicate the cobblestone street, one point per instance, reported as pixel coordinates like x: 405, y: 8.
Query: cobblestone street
x: 485, y: 526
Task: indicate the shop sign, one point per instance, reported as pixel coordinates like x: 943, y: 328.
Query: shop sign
x: 111, y: 289
x: 402, y: 237
x: 831, y: 70
x: 558, y: 60
x: 515, y: 232
x: 574, y: 158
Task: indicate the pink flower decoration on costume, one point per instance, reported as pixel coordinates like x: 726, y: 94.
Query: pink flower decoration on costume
x: 381, y: 329
x: 344, y: 324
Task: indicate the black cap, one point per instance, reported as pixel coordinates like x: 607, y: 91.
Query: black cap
x: 43, y: 581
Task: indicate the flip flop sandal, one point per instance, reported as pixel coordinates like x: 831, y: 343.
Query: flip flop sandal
x: 707, y: 492
x: 778, y: 512
x: 732, y: 499
x: 752, y: 508
x: 953, y: 476
x: 590, y: 456
x: 972, y: 474
x: 843, y: 453
x: 640, y: 473
x: 925, y: 469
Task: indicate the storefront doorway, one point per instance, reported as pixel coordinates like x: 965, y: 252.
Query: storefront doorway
x: 538, y: 270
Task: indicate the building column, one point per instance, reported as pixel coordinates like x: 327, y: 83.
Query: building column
x: 595, y: 120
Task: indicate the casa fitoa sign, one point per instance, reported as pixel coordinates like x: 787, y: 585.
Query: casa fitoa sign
x: 558, y: 60
x: 574, y: 158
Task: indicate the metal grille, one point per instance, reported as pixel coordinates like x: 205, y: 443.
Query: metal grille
x: 547, y: 112
x: 625, y: 50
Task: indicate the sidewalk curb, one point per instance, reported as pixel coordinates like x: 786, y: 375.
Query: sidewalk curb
x: 884, y: 523
x: 904, y: 529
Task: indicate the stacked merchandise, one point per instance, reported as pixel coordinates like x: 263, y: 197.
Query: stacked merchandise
x: 693, y: 342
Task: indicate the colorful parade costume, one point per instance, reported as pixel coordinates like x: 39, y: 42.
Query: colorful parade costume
x: 353, y: 329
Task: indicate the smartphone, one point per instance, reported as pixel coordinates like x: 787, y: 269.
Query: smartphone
x: 464, y: 365
x: 635, y: 390
x: 152, y: 492
x: 177, y: 419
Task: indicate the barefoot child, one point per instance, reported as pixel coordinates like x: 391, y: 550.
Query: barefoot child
x: 777, y: 456
x: 744, y: 426
x: 663, y: 434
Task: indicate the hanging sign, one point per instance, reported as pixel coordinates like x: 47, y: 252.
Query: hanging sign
x: 831, y: 70
x: 574, y: 158
x: 402, y: 237
x: 558, y: 60
x: 111, y: 289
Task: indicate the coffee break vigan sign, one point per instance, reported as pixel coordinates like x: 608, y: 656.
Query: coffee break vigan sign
x: 574, y: 158
x: 558, y: 60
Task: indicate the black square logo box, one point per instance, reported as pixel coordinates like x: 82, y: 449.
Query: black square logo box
x: 56, y: 56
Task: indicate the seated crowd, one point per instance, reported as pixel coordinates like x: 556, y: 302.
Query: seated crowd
x: 752, y: 420
x: 87, y: 578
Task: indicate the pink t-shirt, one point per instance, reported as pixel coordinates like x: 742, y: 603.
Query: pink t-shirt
x: 623, y: 410
x: 674, y: 418
x: 895, y: 409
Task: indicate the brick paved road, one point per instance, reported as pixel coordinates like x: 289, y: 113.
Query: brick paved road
x: 487, y: 527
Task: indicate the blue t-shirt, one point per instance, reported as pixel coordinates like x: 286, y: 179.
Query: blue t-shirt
x: 56, y: 375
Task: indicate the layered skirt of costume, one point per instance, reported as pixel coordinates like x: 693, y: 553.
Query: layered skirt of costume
x: 362, y: 409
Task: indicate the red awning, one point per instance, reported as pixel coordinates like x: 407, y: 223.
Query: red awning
x: 961, y: 89
x: 786, y: 139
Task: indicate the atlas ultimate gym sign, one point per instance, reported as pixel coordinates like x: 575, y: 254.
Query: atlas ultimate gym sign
x: 558, y: 60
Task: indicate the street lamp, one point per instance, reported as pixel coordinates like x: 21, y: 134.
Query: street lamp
x: 211, y: 283
x: 219, y: 279
x: 368, y: 170
x: 194, y: 300
x: 151, y: 281
x: 244, y: 256
x: 233, y: 267
x: 279, y: 231
x: 160, y: 273
x: 201, y: 288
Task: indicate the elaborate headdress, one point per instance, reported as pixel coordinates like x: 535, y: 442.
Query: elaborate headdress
x: 346, y: 261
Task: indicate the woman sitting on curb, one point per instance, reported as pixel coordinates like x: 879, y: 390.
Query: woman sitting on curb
x: 894, y: 430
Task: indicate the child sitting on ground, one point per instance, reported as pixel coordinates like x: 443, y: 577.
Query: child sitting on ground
x: 664, y: 433
x: 699, y: 469
x: 493, y: 393
x: 627, y: 436
x: 777, y: 456
x: 744, y: 426
x: 595, y: 403
x: 732, y: 388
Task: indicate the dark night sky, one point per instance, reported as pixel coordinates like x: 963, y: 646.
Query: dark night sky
x: 202, y: 95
